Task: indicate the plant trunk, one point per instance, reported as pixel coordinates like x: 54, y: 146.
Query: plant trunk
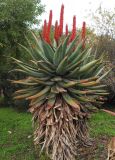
x: 60, y: 130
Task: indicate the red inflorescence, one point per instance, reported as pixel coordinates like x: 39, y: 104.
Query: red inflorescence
x: 73, y: 34
x: 49, y: 28
x: 58, y: 30
x: 61, y: 20
x: 83, y: 33
x: 44, y: 29
x: 74, y: 28
x: 66, y: 30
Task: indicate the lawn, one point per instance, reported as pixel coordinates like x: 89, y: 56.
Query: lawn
x: 16, y: 133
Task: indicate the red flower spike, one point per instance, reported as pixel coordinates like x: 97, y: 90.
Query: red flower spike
x: 83, y: 33
x: 58, y: 32
x: 66, y: 30
x: 50, y: 21
x: 73, y: 34
x: 44, y: 29
x: 61, y: 20
x: 49, y: 28
x: 74, y: 28
x: 58, y: 36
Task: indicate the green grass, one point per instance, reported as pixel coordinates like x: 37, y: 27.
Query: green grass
x: 17, y: 146
x: 102, y: 124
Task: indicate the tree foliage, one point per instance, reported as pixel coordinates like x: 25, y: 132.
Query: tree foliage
x: 104, y: 22
x: 16, y: 17
x: 104, y: 26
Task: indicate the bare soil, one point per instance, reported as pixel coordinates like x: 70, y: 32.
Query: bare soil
x: 98, y: 151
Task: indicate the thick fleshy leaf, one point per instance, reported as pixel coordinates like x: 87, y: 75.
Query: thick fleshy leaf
x: 72, y: 45
x: 58, y: 55
x: 87, y: 66
x: 64, y: 46
x: 51, y: 102
x: 45, y: 90
x: 71, y: 101
x: 48, y: 51
x: 77, y: 52
x: 61, y: 68
x: 68, y: 84
x: 23, y: 96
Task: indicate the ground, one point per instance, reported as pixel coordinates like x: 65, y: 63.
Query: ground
x: 16, y: 136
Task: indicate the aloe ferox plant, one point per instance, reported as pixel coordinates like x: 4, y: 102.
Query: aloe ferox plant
x: 63, y: 85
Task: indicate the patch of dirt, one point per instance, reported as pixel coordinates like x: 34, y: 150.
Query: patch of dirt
x: 98, y: 150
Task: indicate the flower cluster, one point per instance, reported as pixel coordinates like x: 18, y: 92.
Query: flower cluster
x: 58, y: 29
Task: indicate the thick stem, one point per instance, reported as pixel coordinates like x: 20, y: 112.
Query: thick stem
x: 60, y: 131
